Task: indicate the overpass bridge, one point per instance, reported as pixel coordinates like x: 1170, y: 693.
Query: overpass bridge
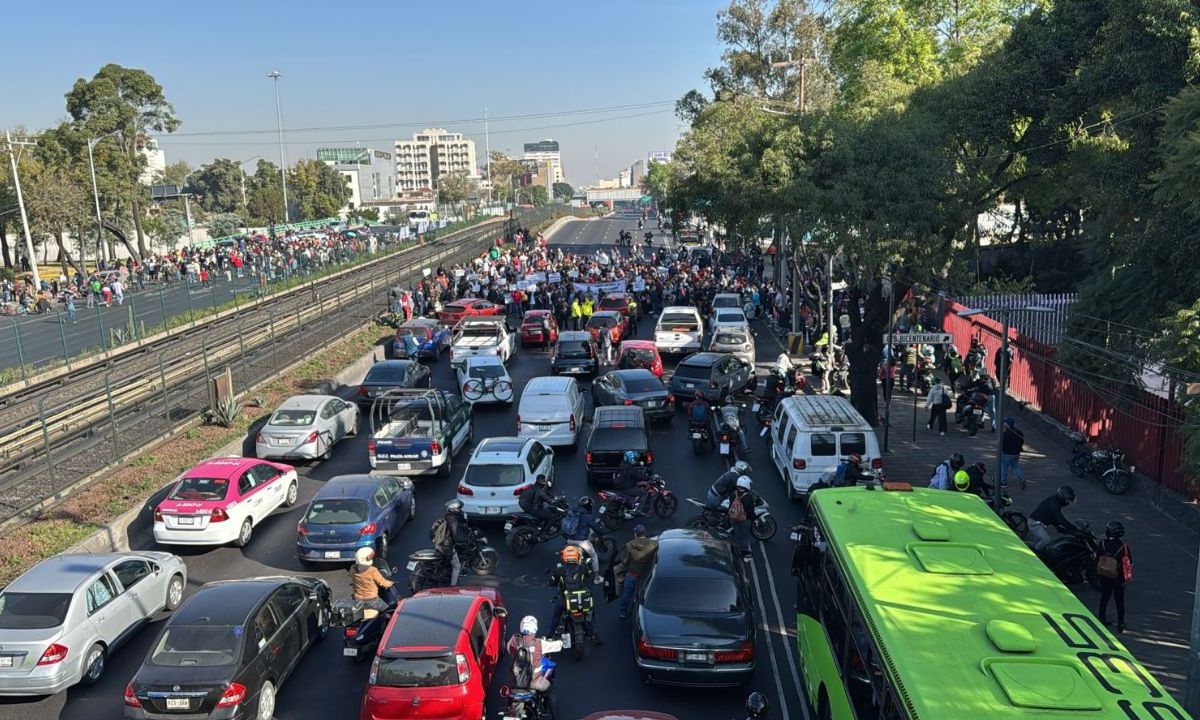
x: 614, y: 195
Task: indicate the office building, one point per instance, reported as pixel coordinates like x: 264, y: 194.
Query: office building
x: 156, y: 159
x: 431, y: 153
x: 637, y: 171
x: 623, y: 178
x: 371, y: 174
x: 546, y: 151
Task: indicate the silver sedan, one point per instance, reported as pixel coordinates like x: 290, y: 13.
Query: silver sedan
x: 61, y: 621
x: 738, y: 341
x: 306, y: 427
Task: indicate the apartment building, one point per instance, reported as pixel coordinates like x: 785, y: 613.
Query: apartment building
x: 431, y: 153
x: 546, y: 151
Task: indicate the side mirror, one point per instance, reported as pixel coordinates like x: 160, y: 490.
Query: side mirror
x: 500, y: 612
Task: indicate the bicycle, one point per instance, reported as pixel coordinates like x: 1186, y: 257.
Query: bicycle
x: 476, y: 388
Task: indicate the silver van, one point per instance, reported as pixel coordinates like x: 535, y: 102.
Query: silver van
x: 812, y: 434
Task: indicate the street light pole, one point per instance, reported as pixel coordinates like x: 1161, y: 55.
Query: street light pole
x: 12, y: 157
x: 275, y: 75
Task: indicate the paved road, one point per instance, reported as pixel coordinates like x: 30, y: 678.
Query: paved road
x: 326, y: 685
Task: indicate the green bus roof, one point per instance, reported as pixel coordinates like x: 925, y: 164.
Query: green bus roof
x: 970, y: 624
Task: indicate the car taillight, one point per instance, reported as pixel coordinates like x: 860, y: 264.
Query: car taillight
x: 302, y: 530
x: 464, y: 490
x: 371, y: 447
x: 435, y: 448
x: 518, y: 424
x: 671, y: 399
x: 131, y: 699
x: 218, y: 515
x: 362, y: 391
x: 572, y: 422
x: 258, y: 437
x: 649, y: 458
x: 368, y: 529
x: 628, y: 402
x: 799, y: 464
x: 158, y: 515
x: 520, y: 490
x: 464, y: 670
x: 587, y: 458
x: 233, y: 695
x: 645, y: 649
x: 350, y: 632
x: 742, y: 654
x: 312, y: 437
x: 877, y: 463
x: 54, y: 654
x: 374, y: 671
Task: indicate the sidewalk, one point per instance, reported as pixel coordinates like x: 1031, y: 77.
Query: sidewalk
x: 1159, y: 600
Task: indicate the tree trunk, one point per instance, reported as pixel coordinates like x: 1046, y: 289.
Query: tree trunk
x: 141, y: 234
x: 4, y: 252
x: 64, y: 256
x: 866, y: 347
x: 123, y: 238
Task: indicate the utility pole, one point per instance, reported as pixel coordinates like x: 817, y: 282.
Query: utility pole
x: 802, y: 63
x: 275, y: 75
x: 487, y: 148
x: 12, y: 157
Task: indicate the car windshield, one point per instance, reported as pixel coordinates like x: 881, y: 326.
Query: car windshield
x: 494, y: 475
x: 601, y: 321
x: 293, y: 418
x: 574, y: 349
x: 485, y: 371
x: 730, y: 339
x: 196, y: 488
x: 614, y: 303
x: 725, y: 302
x: 33, y: 611
x: 384, y: 375
x: 643, y: 384
x: 419, y: 332
x: 731, y: 317
x: 338, y: 511
x: 184, y: 646
x: 416, y: 671
x: 689, y: 594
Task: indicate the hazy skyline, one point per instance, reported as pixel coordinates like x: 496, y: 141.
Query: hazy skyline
x: 370, y: 73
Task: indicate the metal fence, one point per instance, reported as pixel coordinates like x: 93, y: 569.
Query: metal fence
x: 1046, y: 328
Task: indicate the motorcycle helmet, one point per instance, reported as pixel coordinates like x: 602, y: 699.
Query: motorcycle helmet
x: 699, y: 394
x: 962, y: 481
x: 854, y: 459
x: 543, y: 480
x: 1115, y: 530
x: 570, y: 555
x: 1009, y: 421
x: 741, y: 467
x: 957, y: 461
x: 364, y: 556
x: 982, y: 468
x: 1066, y: 493
x: 586, y: 503
x: 454, y: 506
x: 757, y: 705
x: 529, y: 625
x: 744, y: 482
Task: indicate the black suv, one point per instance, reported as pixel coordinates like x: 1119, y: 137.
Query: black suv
x: 575, y: 354
x: 718, y: 375
x: 614, y: 431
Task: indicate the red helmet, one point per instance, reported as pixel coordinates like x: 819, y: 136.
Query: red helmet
x: 854, y: 459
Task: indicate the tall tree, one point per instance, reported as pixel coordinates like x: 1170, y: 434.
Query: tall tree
x: 453, y: 188
x: 265, y: 194
x: 317, y: 190
x: 506, y: 175
x: 175, y: 173
x: 218, y: 186
x: 224, y: 225
x: 563, y: 191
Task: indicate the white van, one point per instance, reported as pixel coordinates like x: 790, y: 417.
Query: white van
x: 812, y: 434
x: 679, y: 330
x: 551, y: 410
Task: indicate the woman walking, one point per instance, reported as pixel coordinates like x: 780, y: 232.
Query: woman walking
x: 1114, y: 566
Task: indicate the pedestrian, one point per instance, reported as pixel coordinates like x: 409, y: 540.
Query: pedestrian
x: 1012, y: 444
x: 106, y: 291
x: 887, y: 377
x: 939, y: 401
x: 1114, y: 568
x: 741, y: 513
x: 606, y: 344
x: 637, y: 556
x: 118, y: 289
x: 633, y: 315
x: 71, y: 311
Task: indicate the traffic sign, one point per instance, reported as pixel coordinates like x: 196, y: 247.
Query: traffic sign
x: 921, y: 338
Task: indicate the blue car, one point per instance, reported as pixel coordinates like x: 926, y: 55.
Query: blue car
x: 432, y: 338
x: 353, y: 511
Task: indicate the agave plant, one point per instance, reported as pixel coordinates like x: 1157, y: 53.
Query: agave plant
x: 224, y: 413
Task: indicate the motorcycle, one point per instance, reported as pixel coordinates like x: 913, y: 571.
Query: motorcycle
x: 715, y: 519
x: 528, y: 704
x: 923, y: 379
x: 655, y: 496
x: 1107, y: 464
x: 970, y: 411
x: 578, y: 608
x: 362, y: 626
x: 431, y: 568
x: 1072, y: 558
x: 701, y: 436
x: 727, y: 443
x: 523, y: 532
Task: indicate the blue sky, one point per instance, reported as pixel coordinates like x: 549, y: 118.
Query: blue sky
x: 396, y: 64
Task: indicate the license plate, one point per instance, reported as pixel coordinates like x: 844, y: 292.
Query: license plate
x: 978, y: 413
x: 332, y: 554
x: 404, y: 466
x: 183, y: 520
x: 350, y: 652
x: 281, y: 441
x: 690, y: 385
x: 412, y: 565
x: 566, y: 640
x: 603, y: 509
x: 509, y: 526
x: 724, y: 448
x: 697, y: 657
x: 491, y: 511
x: 697, y: 436
x: 178, y: 703
x: 795, y: 537
x: 6, y: 661
x: 755, y: 407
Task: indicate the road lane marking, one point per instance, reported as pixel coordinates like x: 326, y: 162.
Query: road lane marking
x: 770, y: 647
x: 788, y: 647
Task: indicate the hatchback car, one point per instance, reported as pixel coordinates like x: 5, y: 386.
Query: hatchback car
x: 575, y: 353
x: 736, y: 341
x: 499, y: 469
x: 611, y: 319
x: 728, y: 319
x: 62, y: 620
x: 717, y: 375
x: 227, y: 651
x: 694, y: 620
x: 353, y: 511
x: 468, y: 307
x: 618, y: 302
x: 438, y: 656
x: 484, y: 379
x: 432, y: 338
x: 221, y: 501
x: 634, y: 387
x: 640, y: 354
x: 306, y: 427
x: 538, y: 327
x: 390, y: 375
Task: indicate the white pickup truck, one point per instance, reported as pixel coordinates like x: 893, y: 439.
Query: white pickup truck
x: 481, y: 336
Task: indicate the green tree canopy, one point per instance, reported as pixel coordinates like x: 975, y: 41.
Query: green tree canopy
x: 218, y: 186
x: 317, y: 190
x: 563, y: 191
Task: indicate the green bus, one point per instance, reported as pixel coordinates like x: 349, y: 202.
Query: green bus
x: 920, y: 604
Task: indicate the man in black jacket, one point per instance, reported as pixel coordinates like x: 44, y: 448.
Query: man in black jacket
x: 1049, y: 513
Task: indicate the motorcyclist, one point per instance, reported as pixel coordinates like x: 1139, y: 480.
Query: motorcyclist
x: 528, y: 650
x: 850, y: 472
x: 570, y: 577
x: 757, y: 706
x: 700, y: 413
x: 1049, y: 513
x: 585, y: 523
x: 943, y: 475
x: 723, y: 487
x: 542, y: 506
x: 977, y: 484
x: 453, y: 539
x: 366, y: 581
x: 984, y: 386
x: 730, y: 418
x: 633, y: 473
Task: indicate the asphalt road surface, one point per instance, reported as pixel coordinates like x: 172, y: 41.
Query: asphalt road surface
x: 325, y: 685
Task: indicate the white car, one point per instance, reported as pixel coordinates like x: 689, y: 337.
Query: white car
x: 484, y: 379
x: 306, y: 427
x: 551, y: 410
x: 737, y: 341
x: 679, y: 330
x: 729, y: 319
x: 499, y: 469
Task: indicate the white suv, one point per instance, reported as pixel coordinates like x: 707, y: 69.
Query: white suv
x: 499, y: 469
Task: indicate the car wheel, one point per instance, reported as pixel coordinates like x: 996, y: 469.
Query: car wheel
x: 174, y: 593
x: 93, y: 663
x: 292, y: 493
x: 266, y: 702
x: 243, y: 538
x: 322, y: 622
x: 328, y: 452
x: 444, y: 470
x: 353, y: 431
x: 381, y: 547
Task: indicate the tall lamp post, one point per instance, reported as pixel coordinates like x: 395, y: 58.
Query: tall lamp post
x: 1005, y: 317
x: 91, y: 143
x: 13, y: 156
x: 275, y: 75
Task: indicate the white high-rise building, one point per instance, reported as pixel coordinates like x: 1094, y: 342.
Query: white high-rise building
x: 546, y: 151
x: 431, y: 153
x: 156, y: 160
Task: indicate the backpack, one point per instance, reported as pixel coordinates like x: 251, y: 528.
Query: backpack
x: 1110, y: 568
x: 439, y: 534
x: 522, y: 669
x: 525, y: 499
x: 933, y: 475
x: 570, y: 523
x: 699, y: 412
x: 737, y: 510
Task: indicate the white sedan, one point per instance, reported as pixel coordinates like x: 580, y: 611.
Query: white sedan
x: 729, y: 319
x: 306, y: 427
x: 484, y: 379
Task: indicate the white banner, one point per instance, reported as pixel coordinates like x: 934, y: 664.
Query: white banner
x: 554, y: 277
x: 607, y: 287
x: 639, y: 284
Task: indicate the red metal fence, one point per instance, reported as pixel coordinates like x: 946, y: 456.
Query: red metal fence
x: 1146, y: 427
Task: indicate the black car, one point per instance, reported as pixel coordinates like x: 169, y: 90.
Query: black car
x: 227, y: 650
x: 717, y: 375
x: 575, y: 354
x: 615, y: 430
x: 694, y: 619
x: 390, y: 375
x: 634, y: 387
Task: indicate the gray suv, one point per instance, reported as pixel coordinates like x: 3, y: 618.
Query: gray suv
x: 717, y: 375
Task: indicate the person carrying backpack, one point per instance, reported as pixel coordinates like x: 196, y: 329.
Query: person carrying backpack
x: 943, y: 474
x: 570, y: 577
x: 577, y: 527
x: 449, y: 533
x: 741, y: 512
x: 1114, y: 566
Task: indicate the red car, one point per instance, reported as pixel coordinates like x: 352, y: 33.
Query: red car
x: 613, y: 320
x: 468, y: 307
x: 616, y: 301
x: 437, y: 656
x: 640, y: 354
x: 533, y: 328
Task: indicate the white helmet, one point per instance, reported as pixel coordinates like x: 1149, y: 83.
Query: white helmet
x: 364, y: 556
x: 529, y: 625
x: 744, y: 482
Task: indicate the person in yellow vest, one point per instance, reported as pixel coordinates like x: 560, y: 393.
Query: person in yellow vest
x: 576, y: 313
x: 589, y: 306
x: 633, y: 315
